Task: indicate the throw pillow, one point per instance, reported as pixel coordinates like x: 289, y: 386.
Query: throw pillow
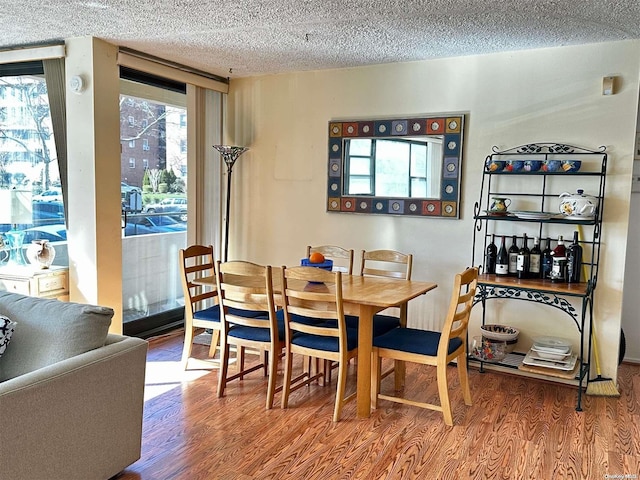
x: 6, y: 330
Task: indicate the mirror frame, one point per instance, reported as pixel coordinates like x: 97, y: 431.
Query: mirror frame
x: 450, y: 126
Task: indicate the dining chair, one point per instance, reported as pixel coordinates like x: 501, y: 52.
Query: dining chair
x: 437, y: 349
x: 342, y: 257
x: 315, y: 327
x: 249, y: 320
x: 201, y: 309
x: 390, y: 264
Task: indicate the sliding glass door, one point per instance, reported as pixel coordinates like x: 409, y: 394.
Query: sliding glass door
x: 153, y: 137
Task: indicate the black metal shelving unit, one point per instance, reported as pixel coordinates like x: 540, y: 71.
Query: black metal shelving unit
x: 540, y: 190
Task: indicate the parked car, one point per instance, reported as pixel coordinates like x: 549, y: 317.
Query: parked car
x: 146, y: 224
x: 51, y: 195
x: 169, y: 205
x: 47, y: 213
x: 53, y: 233
x: 126, y: 188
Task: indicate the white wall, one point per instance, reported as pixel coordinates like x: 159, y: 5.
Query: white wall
x: 279, y: 191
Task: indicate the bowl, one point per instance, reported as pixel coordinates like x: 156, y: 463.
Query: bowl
x: 326, y: 265
x: 552, y: 166
x: 499, y: 332
x: 571, y: 165
x: 514, y: 165
x: 550, y: 355
x: 532, y: 165
x: 488, y: 351
x: 494, y: 165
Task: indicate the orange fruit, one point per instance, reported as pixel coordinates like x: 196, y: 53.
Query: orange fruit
x: 316, y: 257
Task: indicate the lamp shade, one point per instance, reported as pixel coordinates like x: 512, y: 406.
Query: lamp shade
x: 15, y: 207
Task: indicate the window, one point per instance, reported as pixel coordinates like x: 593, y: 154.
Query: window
x: 29, y: 161
x: 132, y: 144
x: 155, y: 229
x: 183, y: 120
x: 132, y: 121
x: 183, y: 145
x: 389, y: 167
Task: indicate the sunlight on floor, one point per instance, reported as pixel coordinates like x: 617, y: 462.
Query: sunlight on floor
x: 164, y: 376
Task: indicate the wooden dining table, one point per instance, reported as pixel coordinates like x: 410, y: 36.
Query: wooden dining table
x: 362, y: 296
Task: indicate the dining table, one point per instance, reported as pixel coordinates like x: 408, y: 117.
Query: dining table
x: 363, y: 296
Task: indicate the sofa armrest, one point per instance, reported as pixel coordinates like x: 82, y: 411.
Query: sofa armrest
x: 78, y: 418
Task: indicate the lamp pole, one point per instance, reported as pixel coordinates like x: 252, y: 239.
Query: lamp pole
x: 229, y: 154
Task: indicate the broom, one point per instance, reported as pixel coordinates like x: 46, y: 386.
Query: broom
x: 599, y: 386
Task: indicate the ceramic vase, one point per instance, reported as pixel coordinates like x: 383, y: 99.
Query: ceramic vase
x: 41, y: 253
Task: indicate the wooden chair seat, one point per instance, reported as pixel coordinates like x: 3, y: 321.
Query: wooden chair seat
x: 437, y: 349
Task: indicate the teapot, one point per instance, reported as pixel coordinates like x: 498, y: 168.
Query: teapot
x: 578, y: 204
x: 499, y: 204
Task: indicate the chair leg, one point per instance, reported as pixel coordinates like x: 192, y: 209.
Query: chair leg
x: 186, y: 349
x: 240, y: 351
x: 376, y: 370
x: 224, y: 367
x: 399, y: 374
x: 286, y: 381
x: 443, y: 392
x: 463, y: 374
x: 215, y: 337
x: 342, y: 384
x: 273, y: 372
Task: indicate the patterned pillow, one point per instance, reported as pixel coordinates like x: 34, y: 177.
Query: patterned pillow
x: 6, y: 330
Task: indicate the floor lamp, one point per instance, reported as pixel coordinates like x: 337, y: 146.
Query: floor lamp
x: 229, y: 154
x: 16, y: 209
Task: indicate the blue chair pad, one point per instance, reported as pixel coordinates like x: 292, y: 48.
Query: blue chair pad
x: 381, y: 323
x: 211, y: 314
x: 422, y: 342
x: 258, y: 334
x: 328, y: 344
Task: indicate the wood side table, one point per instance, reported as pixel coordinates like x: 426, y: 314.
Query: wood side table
x: 52, y: 282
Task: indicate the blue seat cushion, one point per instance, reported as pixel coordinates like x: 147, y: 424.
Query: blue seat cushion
x: 212, y: 314
x: 327, y: 344
x: 422, y: 342
x: 258, y: 334
x: 381, y: 323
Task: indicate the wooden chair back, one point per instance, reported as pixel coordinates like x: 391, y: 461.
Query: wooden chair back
x: 386, y: 263
x: 196, y: 261
x: 342, y: 257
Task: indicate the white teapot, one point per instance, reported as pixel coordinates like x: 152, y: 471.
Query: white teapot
x: 578, y: 204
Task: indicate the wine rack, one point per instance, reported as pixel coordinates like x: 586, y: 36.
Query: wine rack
x: 514, y: 174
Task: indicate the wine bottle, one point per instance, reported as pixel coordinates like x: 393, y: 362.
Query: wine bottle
x: 491, y: 256
x: 513, y: 257
x: 523, y: 259
x: 547, y: 261
x: 535, y: 259
x: 574, y: 260
x: 560, y: 250
x: 502, y: 260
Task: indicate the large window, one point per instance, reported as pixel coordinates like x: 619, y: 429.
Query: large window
x: 390, y: 167
x: 29, y: 165
x: 154, y: 197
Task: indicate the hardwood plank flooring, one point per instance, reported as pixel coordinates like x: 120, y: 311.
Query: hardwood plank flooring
x: 517, y: 428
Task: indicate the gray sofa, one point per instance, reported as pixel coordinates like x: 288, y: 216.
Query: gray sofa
x: 71, y: 395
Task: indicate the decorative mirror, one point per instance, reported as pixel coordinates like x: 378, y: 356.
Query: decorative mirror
x: 408, y: 166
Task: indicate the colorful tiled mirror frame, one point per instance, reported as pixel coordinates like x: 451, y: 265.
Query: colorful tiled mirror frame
x: 449, y: 126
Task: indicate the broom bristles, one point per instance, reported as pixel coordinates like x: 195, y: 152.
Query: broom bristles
x: 603, y: 387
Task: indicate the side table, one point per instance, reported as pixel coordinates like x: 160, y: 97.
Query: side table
x: 52, y: 282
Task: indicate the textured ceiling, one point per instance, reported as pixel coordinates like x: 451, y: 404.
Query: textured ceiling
x: 240, y: 38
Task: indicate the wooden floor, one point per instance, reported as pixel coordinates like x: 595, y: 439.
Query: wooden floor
x: 517, y: 428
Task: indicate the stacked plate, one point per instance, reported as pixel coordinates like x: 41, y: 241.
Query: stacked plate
x: 551, y: 352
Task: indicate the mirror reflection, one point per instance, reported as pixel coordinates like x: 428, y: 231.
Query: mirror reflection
x: 396, y: 166
x: 403, y: 167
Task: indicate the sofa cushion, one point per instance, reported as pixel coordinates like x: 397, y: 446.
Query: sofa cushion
x: 50, y: 331
x: 6, y: 330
